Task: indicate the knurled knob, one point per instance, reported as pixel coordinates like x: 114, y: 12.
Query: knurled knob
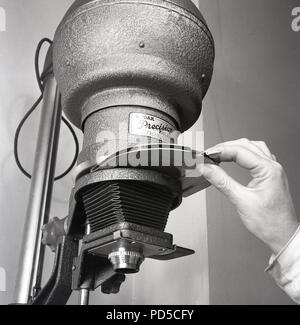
x: 126, y: 261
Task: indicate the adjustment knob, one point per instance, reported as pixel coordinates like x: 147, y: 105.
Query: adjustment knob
x: 126, y: 261
x: 52, y: 232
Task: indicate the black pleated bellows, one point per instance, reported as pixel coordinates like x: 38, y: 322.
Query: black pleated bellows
x: 109, y: 203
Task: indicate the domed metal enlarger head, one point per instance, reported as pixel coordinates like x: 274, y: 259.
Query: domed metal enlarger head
x: 156, y: 54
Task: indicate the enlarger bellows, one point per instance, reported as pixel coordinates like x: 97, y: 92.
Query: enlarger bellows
x: 109, y: 203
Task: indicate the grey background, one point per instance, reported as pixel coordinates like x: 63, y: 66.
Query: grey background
x: 254, y: 94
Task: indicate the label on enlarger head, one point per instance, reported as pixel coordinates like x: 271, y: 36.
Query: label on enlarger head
x: 150, y: 126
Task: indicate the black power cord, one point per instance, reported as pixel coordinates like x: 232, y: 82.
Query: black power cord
x: 32, y: 109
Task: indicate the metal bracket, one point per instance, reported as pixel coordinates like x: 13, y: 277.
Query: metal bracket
x: 155, y: 244
x: 58, y: 289
x: 90, y: 272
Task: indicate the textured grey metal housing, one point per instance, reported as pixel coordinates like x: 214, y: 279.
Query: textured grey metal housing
x: 147, y: 53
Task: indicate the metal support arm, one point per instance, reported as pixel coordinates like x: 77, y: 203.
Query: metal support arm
x: 31, y: 258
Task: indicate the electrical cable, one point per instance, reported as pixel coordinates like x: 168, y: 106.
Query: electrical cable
x: 36, y: 62
x: 33, y: 108
x: 19, y: 128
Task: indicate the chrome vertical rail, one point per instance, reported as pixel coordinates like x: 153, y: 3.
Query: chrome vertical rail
x: 40, y: 195
x: 84, y: 294
x: 84, y: 297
